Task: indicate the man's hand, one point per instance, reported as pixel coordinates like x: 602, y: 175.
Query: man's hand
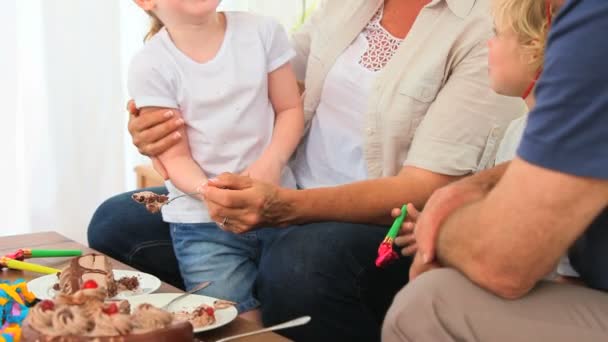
x: 406, y: 240
x: 419, y: 266
x: 153, y: 133
x: 440, y: 205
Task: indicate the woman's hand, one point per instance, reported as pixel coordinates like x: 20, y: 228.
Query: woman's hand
x: 153, y: 133
x: 406, y: 240
x: 243, y: 203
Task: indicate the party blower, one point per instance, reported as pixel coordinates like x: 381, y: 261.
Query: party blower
x: 386, y: 253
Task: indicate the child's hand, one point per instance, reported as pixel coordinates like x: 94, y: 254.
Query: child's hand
x: 268, y: 171
x: 406, y: 240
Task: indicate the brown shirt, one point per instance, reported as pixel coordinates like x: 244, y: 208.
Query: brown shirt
x: 431, y: 106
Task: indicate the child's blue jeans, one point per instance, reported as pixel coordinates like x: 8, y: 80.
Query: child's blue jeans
x: 207, y: 253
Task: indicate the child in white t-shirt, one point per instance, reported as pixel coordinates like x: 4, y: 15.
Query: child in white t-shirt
x: 227, y: 74
x: 515, y: 60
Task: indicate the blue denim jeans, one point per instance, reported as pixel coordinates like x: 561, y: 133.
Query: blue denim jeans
x: 325, y: 270
x: 206, y: 252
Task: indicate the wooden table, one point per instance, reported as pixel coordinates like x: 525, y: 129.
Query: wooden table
x: 51, y: 240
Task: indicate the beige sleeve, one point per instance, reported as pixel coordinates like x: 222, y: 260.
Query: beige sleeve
x: 300, y: 40
x: 463, y: 126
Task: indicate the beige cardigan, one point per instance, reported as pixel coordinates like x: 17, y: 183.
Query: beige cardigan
x: 431, y: 106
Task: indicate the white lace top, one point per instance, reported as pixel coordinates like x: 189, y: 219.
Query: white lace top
x: 332, y: 153
x: 381, y: 44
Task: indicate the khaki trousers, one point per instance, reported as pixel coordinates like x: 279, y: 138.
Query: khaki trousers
x: 443, y: 305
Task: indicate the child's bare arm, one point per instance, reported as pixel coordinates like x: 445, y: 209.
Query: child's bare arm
x: 288, y: 127
x: 289, y: 118
x: 177, y: 163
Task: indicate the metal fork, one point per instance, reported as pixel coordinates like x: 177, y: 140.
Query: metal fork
x: 198, y: 288
x: 290, y: 324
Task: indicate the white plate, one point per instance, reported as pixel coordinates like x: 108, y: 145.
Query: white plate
x: 42, y: 287
x: 188, y: 303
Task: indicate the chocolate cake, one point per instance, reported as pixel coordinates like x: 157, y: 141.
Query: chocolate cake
x: 84, y: 316
x: 90, y: 267
x: 128, y: 283
x: 151, y: 200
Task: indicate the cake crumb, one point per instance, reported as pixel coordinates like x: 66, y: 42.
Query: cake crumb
x: 128, y: 283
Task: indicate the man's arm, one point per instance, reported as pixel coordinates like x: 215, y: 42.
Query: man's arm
x: 446, y: 200
x: 507, y: 241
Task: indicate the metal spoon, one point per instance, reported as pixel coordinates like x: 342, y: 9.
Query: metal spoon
x: 290, y: 324
x: 198, y: 288
x: 192, y: 194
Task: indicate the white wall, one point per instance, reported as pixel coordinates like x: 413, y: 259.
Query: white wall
x: 288, y: 12
x: 62, y: 129
x: 8, y: 147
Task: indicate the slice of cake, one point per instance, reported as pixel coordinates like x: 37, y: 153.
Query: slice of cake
x: 85, y: 316
x: 90, y: 267
x: 202, y: 316
x: 152, y: 201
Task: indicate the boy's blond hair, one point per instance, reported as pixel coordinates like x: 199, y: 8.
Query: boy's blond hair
x: 530, y: 20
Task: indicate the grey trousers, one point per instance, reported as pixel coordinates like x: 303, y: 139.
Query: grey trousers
x: 443, y: 305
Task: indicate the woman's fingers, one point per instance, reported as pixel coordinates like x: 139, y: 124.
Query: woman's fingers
x: 225, y: 198
x: 238, y: 220
x: 140, y: 123
x: 132, y: 108
x: 160, y: 131
x: 158, y: 147
x: 245, y: 201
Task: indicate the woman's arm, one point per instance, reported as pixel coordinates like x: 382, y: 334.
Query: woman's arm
x: 367, y: 201
x: 258, y: 204
x: 176, y: 163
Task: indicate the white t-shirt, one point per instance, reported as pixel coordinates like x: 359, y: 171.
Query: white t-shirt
x: 332, y: 151
x: 224, y: 102
x: 507, y: 150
